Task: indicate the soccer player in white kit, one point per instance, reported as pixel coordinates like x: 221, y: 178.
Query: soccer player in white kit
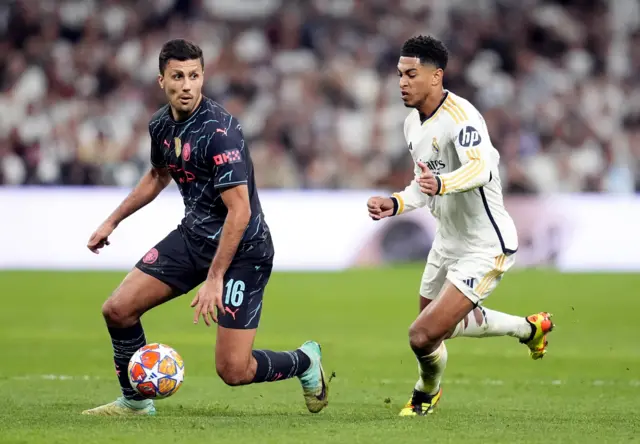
x: 457, y: 177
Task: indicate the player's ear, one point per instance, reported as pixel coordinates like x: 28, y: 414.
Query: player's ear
x: 161, y: 81
x: 437, y: 77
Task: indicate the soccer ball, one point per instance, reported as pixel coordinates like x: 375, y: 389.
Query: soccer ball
x: 156, y: 371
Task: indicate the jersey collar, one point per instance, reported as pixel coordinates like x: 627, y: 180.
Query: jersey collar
x: 424, y: 118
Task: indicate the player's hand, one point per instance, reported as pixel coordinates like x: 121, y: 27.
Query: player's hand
x: 427, y: 181
x: 100, y: 237
x: 380, y: 207
x: 207, y: 299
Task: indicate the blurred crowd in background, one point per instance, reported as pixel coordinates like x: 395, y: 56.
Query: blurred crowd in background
x: 314, y: 84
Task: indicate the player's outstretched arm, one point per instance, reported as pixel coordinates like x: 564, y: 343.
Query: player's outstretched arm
x: 147, y: 189
x: 409, y: 199
x: 402, y: 202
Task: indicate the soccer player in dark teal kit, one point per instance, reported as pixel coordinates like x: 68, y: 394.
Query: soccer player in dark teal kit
x: 223, y: 241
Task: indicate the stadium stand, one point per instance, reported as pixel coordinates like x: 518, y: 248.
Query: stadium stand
x: 314, y: 85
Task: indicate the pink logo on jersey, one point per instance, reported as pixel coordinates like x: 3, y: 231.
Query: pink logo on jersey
x: 186, y: 152
x: 167, y: 144
x: 229, y: 156
x: 150, y: 257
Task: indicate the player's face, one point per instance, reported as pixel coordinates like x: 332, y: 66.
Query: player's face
x: 417, y: 81
x: 182, y: 83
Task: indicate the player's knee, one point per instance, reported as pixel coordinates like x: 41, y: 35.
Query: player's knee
x: 422, y: 339
x: 418, y: 338
x: 117, y: 315
x: 232, y: 373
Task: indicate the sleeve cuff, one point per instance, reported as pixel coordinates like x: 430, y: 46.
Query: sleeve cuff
x: 398, y: 204
x: 440, y: 189
x: 395, y: 205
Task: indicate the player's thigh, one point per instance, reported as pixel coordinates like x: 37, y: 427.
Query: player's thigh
x: 477, y: 276
x: 162, y: 273
x: 244, y: 285
x: 438, y: 318
x: 423, y: 303
x: 433, y: 278
x: 136, y: 294
x: 242, y: 296
x: 171, y: 262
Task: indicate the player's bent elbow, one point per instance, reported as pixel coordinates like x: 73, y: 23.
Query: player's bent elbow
x: 485, y: 177
x: 160, y: 175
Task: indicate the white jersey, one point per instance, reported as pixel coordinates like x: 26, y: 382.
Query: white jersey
x: 454, y: 143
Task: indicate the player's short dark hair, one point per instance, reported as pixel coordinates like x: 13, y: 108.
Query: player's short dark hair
x: 428, y: 49
x: 179, y: 49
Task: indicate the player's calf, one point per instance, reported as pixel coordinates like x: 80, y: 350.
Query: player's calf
x: 426, y: 338
x: 236, y: 370
x: 137, y: 293
x: 483, y: 323
x: 238, y: 364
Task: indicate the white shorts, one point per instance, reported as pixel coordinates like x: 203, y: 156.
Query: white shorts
x: 476, y: 276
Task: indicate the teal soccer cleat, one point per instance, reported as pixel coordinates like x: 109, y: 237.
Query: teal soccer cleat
x: 314, y: 385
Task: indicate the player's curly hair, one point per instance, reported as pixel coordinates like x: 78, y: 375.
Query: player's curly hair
x: 179, y: 49
x: 428, y: 49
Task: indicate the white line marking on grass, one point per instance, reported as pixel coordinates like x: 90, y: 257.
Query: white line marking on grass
x: 486, y: 382
x: 56, y: 378
x: 499, y: 382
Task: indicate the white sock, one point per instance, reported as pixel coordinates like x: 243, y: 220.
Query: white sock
x: 483, y: 322
x: 431, y: 367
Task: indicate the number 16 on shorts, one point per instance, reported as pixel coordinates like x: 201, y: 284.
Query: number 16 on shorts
x: 234, y: 293
x: 242, y: 298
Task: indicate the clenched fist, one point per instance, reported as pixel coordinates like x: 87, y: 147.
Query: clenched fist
x: 380, y: 207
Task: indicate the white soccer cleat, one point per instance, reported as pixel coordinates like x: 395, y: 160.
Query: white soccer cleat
x: 123, y: 407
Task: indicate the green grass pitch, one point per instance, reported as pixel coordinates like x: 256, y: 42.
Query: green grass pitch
x: 56, y: 361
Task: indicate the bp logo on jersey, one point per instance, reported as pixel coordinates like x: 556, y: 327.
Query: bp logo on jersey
x: 469, y: 136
